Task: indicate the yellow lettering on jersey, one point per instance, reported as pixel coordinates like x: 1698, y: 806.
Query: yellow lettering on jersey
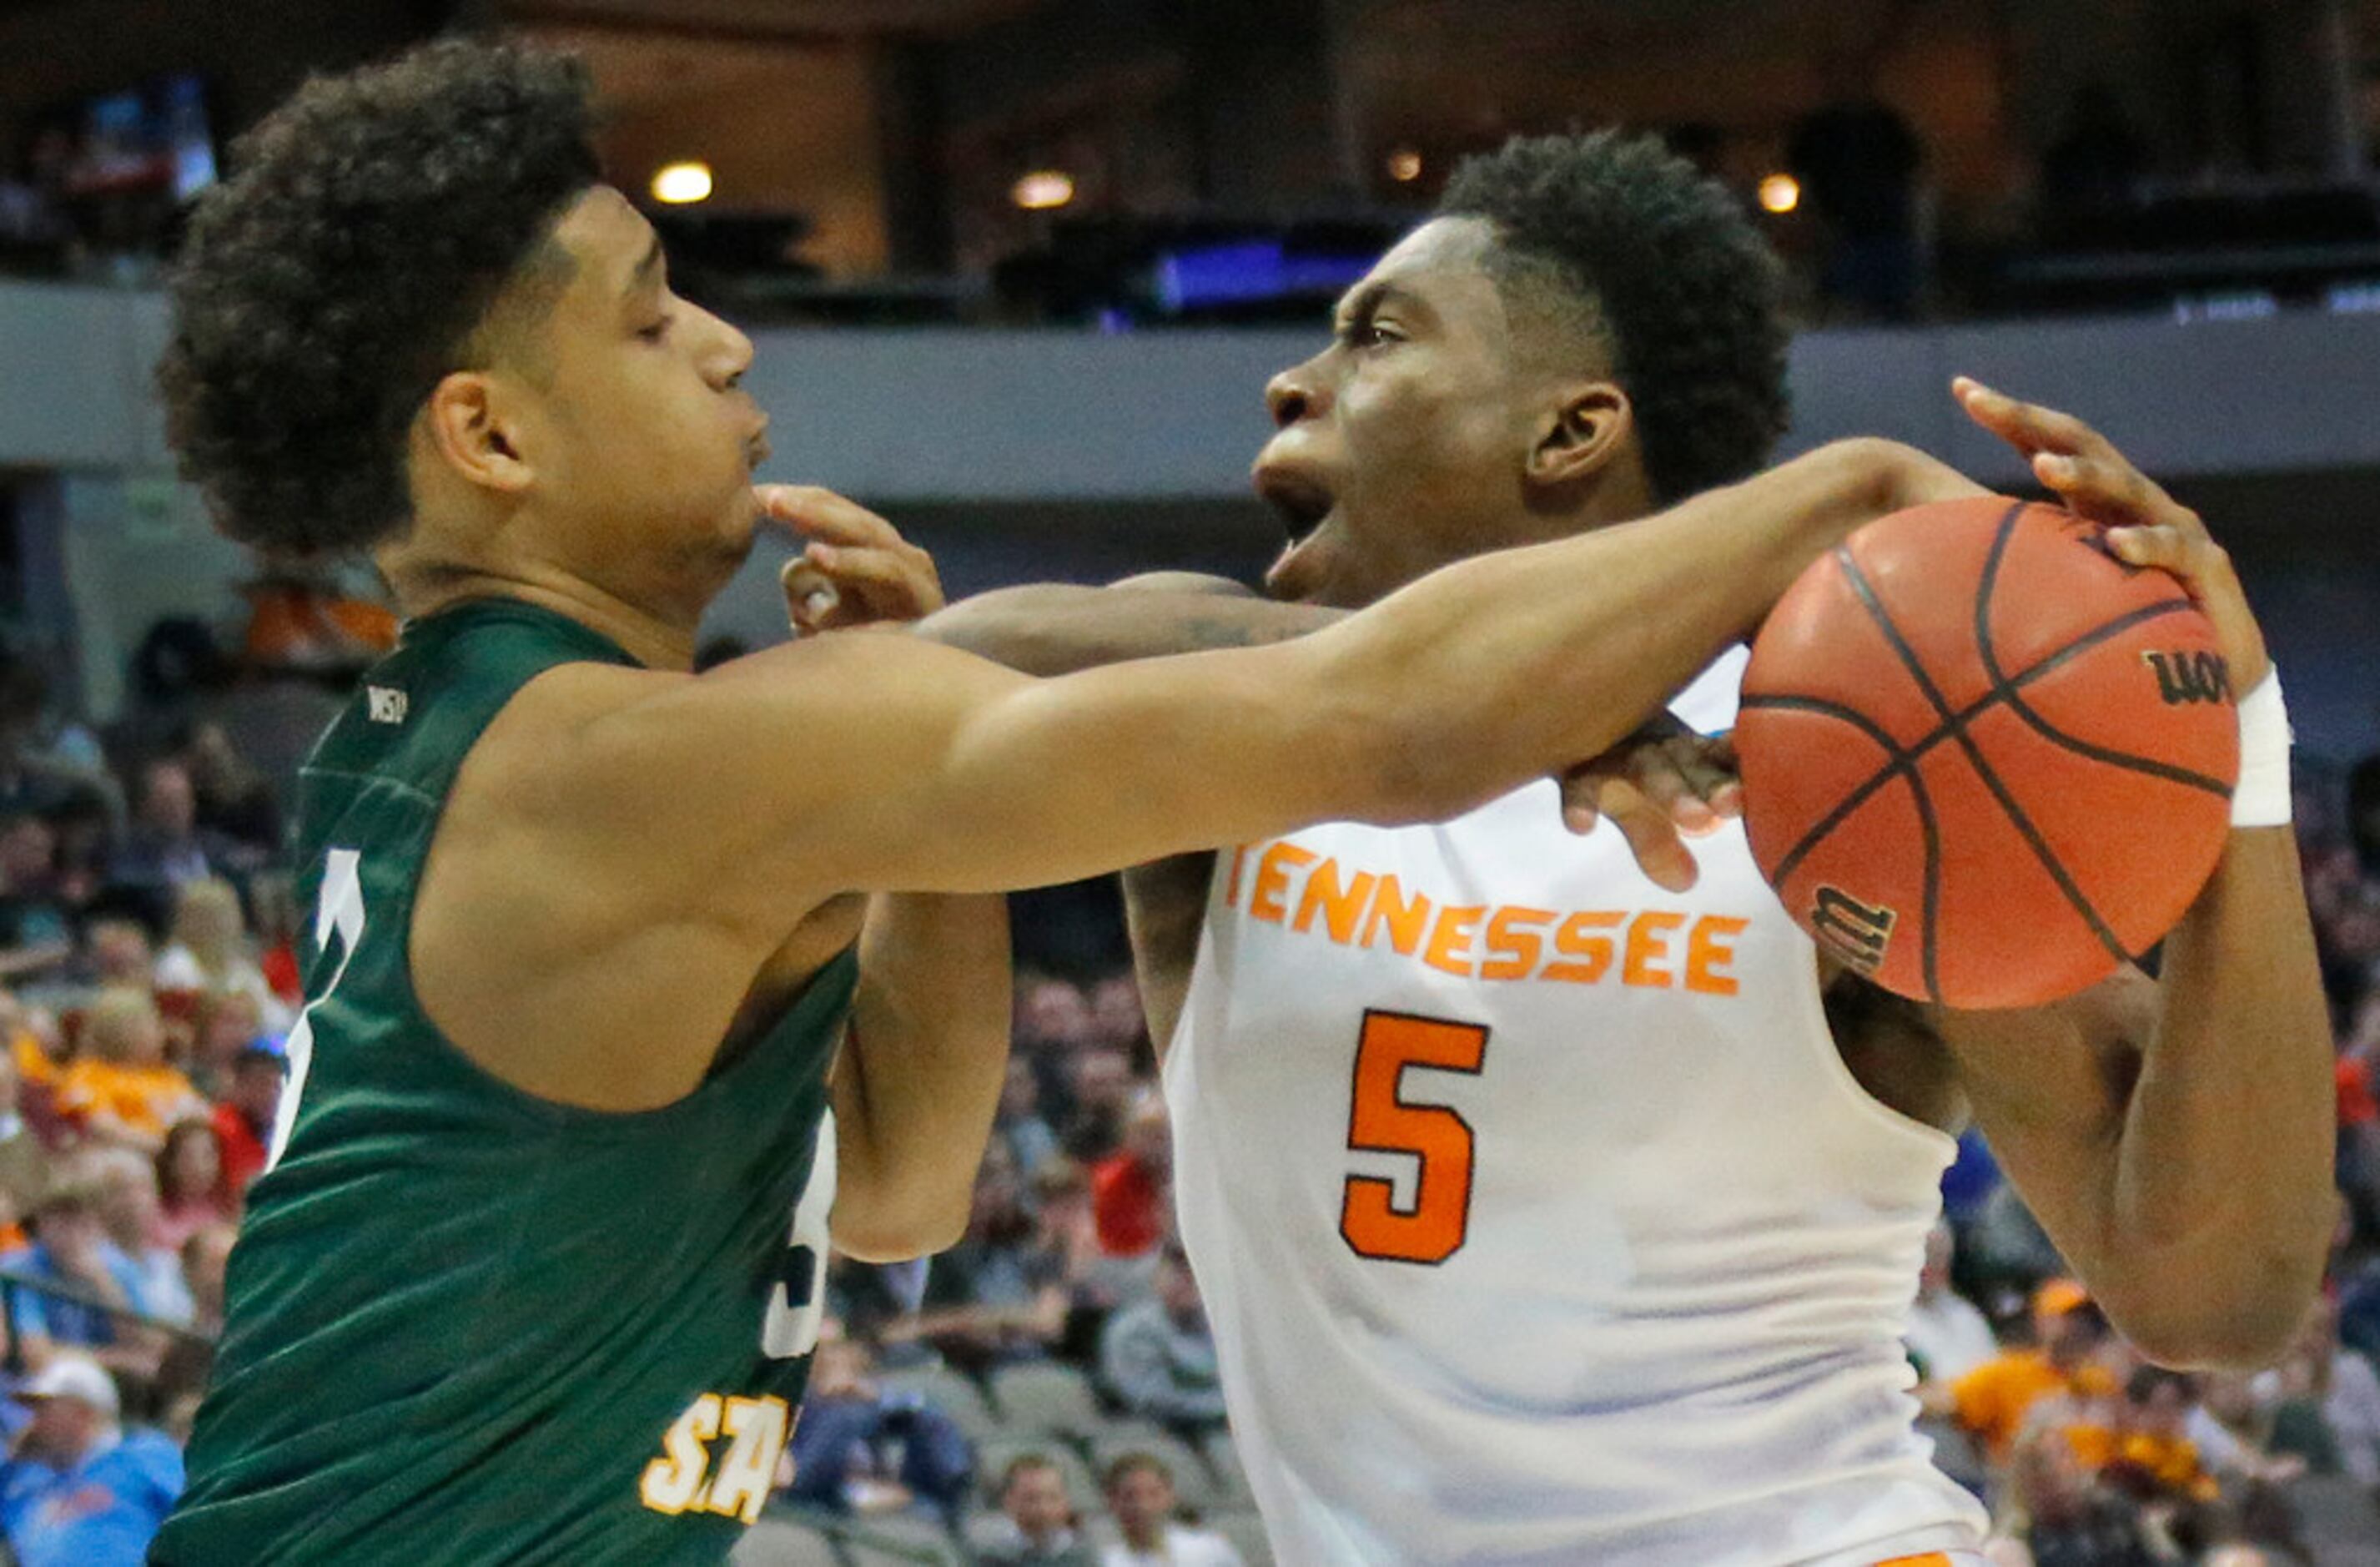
x: 749, y: 1470
x: 672, y: 1482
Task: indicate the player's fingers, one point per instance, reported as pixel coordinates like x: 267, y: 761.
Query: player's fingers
x: 1579, y: 788
x: 810, y: 595
x: 1708, y: 771
x: 2027, y: 426
x: 1652, y: 837
x: 1662, y: 778
x: 2109, y: 490
x: 891, y: 581
x: 821, y: 514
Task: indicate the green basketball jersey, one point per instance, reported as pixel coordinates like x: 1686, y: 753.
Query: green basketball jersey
x: 467, y: 1324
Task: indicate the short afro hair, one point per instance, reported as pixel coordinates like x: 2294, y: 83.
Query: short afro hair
x: 1679, y: 284
x: 325, y: 289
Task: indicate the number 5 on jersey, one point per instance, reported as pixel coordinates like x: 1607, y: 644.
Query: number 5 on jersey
x: 1381, y: 1120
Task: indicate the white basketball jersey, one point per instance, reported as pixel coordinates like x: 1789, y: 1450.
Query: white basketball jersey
x: 1537, y: 1215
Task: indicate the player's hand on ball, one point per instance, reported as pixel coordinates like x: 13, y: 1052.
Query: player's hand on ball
x: 2146, y: 526
x: 854, y: 568
x: 1659, y: 787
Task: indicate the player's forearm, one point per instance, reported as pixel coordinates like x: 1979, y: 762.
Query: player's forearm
x: 919, y: 1081
x: 1056, y: 628
x: 1498, y: 668
x: 2224, y: 1203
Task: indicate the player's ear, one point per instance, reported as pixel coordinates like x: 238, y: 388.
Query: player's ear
x: 475, y: 425
x: 1584, y: 432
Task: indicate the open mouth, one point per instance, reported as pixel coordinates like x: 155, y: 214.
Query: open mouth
x: 1301, y: 500
x: 755, y: 450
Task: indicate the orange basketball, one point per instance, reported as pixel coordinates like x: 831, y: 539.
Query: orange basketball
x: 1984, y: 760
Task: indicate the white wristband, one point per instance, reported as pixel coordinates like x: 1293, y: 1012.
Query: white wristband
x: 2262, y: 798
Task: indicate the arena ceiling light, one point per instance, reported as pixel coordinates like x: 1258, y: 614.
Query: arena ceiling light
x: 1780, y: 193
x: 1044, y: 191
x: 679, y: 184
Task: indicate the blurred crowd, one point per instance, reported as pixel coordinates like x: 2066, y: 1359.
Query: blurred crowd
x: 1045, y: 1391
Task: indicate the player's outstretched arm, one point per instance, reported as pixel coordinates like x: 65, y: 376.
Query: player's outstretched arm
x: 2174, y: 1137
x: 917, y: 1080
x: 878, y: 763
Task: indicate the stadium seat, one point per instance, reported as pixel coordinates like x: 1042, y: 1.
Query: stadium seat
x: 953, y: 1392
x: 900, y: 1541
x: 781, y: 1542
x: 1047, y: 1397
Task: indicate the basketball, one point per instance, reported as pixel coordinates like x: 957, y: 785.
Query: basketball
x: 1985, y: 761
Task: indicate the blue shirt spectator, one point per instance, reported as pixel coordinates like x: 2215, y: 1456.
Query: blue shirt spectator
x: 74, y: 1250
x: 80, y: 1490
x: 859, y: 1449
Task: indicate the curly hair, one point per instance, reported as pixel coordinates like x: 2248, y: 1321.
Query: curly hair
x: 325, y: 289
x: 1669, y: 273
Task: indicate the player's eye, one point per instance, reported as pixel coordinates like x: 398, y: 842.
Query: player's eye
x: 1375, y: 335
x: 656, y: 332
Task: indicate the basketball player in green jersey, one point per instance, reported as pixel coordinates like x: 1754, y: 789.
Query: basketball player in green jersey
x: 606, y: 1041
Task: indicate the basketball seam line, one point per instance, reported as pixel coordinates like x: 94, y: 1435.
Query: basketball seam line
x: 2041, y: 726
x: 1924, y: 747
x: 2023, y: 824
x: 1900, y: 766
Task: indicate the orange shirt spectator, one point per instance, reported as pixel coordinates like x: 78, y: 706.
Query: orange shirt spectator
x: 121, y: 1089
x: 1993, y: 1399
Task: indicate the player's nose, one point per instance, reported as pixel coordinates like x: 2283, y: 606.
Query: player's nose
x: 1296, y: 393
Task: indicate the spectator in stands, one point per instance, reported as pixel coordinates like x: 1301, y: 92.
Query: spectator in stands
x: 1140, y: 1493
x: 1101, y: 1089
x: 2322, y: 1403
x: 119, y: 952
x: 1991, y: 1401
x: 120, y: 1088
x: 46, y: 764
x: 996, y: 1295
x: 1158, y: 1357
x: 189, y: 1183
x: 1131, y: 1189
x: 36, y: 926
x: 129, y: 1210
x: 189, y: 1361
x: 1947, y: 1337
x: 71, y: 1247
x: 24, y: 1161
x: 164, y: 848
x: 228, y: 1022
x: 1051, y: 1015
x: 861, y: 1449
x: 78, y: 1489
x: 1067, y: 1235
x: 235, y: 800
x: 1117, y: 1017
x: 1018, y: 1124
x: 1038, y: 1526
x: 243, y: 1119
x: 2058, y: 1514
x: 2359, y: 1115
x: 209, y: 953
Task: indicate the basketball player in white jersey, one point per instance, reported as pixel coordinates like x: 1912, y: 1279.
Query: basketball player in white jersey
x: 1551, y: 1214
